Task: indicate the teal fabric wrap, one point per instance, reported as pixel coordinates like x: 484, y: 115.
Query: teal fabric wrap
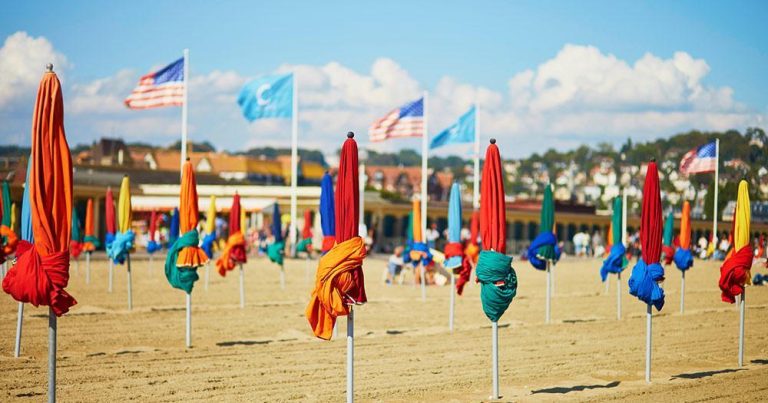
x: 181, y: 278
x: 275, y: 252
x: 93, y: 240
x: 493, y: 268
x: 304, y: 245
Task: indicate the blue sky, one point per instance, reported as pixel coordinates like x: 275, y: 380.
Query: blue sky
x: 462, y: 47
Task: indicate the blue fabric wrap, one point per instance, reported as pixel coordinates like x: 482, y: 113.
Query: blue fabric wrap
x: 683, y: 259
x: 644, y: 283
x: 207, y: 245
x: 615, y: 262
x: 153, y: 246
x: 453, y: 262
x: 422, y: 247
x: 543, y: 239
x: 108, y: 239
x: 120, y: 247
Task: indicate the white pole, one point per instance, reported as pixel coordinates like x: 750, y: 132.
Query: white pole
x: 618, y: 295
x: 282, y: 277
x: 207, y: 274
x: 111, y: 273
x: 242, y: 287
x: 51, y: 356
x: 335, y: 330
x: 19, y: 324
x: 624, y: 217
x: 476, y: 181
x: 495, y: 359
x: 682, y: 293
x: 453, y: 301
x: 130, y: 285
x: 306, y: 270
x: 184, y: 112
x: 648, y: 339
x: 741, y: 328
x: 422, y: 274
x: 549, y: 294
x: 150, y: 264
x: 717, y: 174
x: 424, y: 159
x: 294, y: 162
x: 607, y: 287
x: 87, y: 267
x: 189, y: 320
x: 351, y: 355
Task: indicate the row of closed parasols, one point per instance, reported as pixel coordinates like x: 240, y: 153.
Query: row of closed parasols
x: 41, y: 267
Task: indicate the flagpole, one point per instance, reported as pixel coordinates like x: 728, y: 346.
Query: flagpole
x: 184, y: 111
x: 294, y: 161
x: 625, y: 243
x: 424, y: 157
x: 476, y: 184
x: 717, y: 174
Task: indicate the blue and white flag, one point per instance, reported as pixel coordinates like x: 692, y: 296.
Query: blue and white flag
x: 405, y: 121
x: 463, y: 131
x: 267, y: 97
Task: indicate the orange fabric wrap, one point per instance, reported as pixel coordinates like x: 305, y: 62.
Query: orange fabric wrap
x: 333, y: 280
x: 225, y: 262
x: 11, y: 241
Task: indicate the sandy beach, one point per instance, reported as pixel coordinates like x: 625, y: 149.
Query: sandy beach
x: 404, y: 351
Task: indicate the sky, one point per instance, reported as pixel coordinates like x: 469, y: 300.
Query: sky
x: 545, y: 74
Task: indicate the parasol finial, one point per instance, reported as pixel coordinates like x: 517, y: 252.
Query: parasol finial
x: 653, y: 159
x: 350, y: 135
x: 49, y: 67
x: 493, y: 141
x: 187, y: 158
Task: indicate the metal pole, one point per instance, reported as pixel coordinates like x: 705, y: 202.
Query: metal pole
x: 453, y: 301
x: 207, y: 274
x: 19, y: 324
x: 111, y: 273
x: 495, y: 359
x: 184, y: 112
x: 282, y: 277
x: 150, y: 264
x: 682, y: 293
x: 422, y: 272
x: 549, y: 294
x: 87, y: 267
x: 607, y: 287
x: 294, y: 162
x: 351, y: 355
x: 648, y: 339
x: 618, y: 295
x: 189, y: 320
x: 424, y: 159
x: 306, y: 270
x: 130, y: 283
x: 741, y: 328
x: 476, y: 175
x: 242, y: 287
x: 335, y: 330
x: 51, y: 356
x: 717, y: 190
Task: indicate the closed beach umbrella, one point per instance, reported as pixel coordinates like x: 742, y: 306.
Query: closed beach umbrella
x: 109, y: 218
x: 544, y: 250
x: 276, y: 250
x: 8, y: 238
x: 735, y: 271
x: 173, y: 227
x: 210, y: 228
x: 76, y: 242
x: 327, y: 213
x: 617, y: 259
x: 667, y: 249
x: 683, y: 257
x: 152, y: 245
x: 119, y: 249
x: 648, y: 272
x: 41, y: 271
x: 90, y: 241
x: 234, y: 251
x: 305, y: 244
x: 454, y: 250
x: 497, y: 278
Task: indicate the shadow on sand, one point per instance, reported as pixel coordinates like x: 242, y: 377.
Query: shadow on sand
x: 578, y: 388
x: 242, y: 343
x: 704, y: 374
x: 760, y: 362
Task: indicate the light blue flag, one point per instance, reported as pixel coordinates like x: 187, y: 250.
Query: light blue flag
x: 267, y: 97
x: 463, y: 131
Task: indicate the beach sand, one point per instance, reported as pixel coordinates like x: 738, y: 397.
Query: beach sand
x: 403, y: 349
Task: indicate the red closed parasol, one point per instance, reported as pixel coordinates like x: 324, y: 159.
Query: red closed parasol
x: 493, y: 224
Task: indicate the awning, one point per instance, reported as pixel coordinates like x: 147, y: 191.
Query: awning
x: 166, y: 203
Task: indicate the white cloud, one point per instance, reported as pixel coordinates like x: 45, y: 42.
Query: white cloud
x: 579, y: 95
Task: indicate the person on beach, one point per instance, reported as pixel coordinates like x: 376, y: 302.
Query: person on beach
x: 395, y: 264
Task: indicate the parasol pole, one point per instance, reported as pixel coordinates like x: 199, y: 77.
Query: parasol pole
x: 19, y: 324
x: 51, y: 356
x: 111, y: 273
x: 495, y: 359
x: 189, y: 320
x: 549, y: 293
x: 87, y: 267
x: 623, y: 241
x: 453, y: 301
x: 242, y: 286
x: 741, y: 327
x: 294, y: 164
x: 282, y: 277
x: 717, y: 174
x: 130, y: 283
x: 618, y: 295
x: 207, y: 274
x: 648, y: 340
x: 476, y: 176
x: 350, y: 355
x: 682, y: 292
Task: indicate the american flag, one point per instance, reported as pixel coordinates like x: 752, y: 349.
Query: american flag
x: 164, y: 87
x: 699, y: 160
x: 405, y: 121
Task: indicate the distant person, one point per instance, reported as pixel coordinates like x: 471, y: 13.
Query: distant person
x: 395, y: 265
x: 432, y: 236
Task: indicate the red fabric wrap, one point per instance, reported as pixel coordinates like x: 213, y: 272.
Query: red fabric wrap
x: 463, y: 277
x: 454, y: 249
x: 669, y: 253
x: 75, y: 249
x: 40, y: 280
x: 734, y: 273
x: 328, y: 242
